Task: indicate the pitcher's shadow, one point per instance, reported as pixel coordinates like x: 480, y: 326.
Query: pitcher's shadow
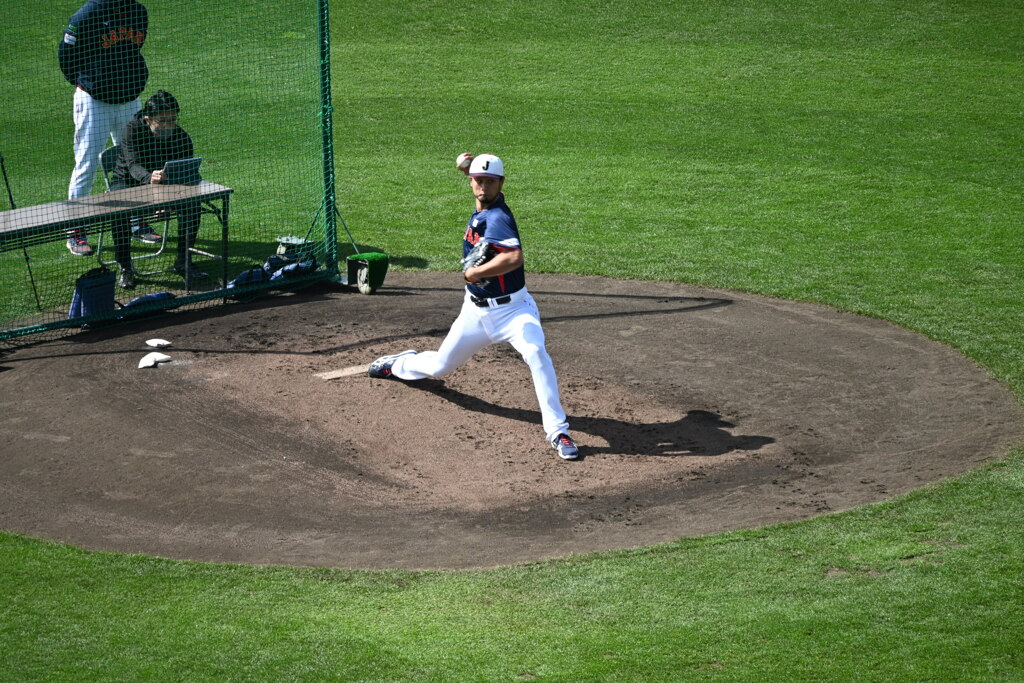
x: 699, y: 433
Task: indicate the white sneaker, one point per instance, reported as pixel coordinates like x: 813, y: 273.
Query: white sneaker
x: 381, y: 368
x: 78, y: 245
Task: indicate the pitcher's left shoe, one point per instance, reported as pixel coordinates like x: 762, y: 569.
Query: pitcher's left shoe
x: 566, y: 447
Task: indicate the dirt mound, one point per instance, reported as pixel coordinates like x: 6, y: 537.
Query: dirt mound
x: 696, y: 411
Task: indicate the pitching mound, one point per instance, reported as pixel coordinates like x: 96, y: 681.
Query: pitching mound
x: 696, y: 411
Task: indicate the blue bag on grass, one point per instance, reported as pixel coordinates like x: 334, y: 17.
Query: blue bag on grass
x: 94, y: 294
x: 275, y: 268
x: 294, y: 270
x: 253, y: 276
x: 140, y: 302
x: 150, y: 298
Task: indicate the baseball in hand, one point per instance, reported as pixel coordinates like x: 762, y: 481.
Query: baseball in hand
x: 463, y: 161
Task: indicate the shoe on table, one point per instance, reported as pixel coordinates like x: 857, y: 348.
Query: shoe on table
x: 127, y: 278
x: 566, y: 447
x: 144, y: 233
x: 381, y: 368
x: 78, y: 245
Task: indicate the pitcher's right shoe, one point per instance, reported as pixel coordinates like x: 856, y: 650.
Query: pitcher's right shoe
x: 381, y: 368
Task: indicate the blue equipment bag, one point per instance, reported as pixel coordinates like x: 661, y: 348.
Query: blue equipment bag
x: 293, y: 270
x: 253, y: 276
x: 94, y: 294
x: 146, y: 303
x: 151, y: 298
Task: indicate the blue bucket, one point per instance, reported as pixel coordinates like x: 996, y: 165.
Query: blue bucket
x: 94, y: 294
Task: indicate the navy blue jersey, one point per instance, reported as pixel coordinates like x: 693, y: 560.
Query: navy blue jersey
x: 101, y: 50
x: 497, y: 225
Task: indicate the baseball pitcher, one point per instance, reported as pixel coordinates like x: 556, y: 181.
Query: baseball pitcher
x: 496, y: 307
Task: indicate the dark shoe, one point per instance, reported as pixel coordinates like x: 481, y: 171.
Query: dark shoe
x: 381, y: 368
x: 192, y: 274
x: 146, y: 234
x: 127, y: 278
x: 566, y: 447
x: 78, y: 245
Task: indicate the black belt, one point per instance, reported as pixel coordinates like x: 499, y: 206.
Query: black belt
x: 483, y: 302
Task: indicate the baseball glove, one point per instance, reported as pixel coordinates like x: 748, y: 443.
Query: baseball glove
x: 482, y: 252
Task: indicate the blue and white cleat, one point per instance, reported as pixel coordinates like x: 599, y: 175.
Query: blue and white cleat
x: 566, y: 447
x: 381, y: 368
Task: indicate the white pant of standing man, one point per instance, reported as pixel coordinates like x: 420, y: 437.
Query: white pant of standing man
x: 95, y: 121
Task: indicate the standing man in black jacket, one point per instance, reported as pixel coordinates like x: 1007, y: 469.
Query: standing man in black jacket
x: 100, y: 53
x: 149, y: 141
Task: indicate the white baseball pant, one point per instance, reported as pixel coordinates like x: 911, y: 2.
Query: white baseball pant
x: 518, y: 323
x: 94, y: 121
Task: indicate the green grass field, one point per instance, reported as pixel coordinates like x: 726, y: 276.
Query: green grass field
x: 863, y: 155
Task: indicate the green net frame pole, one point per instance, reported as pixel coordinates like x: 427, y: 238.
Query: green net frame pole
x: 327, y: 128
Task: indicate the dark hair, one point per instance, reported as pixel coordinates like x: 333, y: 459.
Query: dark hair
x: 160, y: 101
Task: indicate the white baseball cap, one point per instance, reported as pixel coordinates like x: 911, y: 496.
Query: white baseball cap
x: 487, y: 165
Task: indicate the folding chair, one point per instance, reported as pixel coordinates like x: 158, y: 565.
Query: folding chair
x: 108, y: 161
